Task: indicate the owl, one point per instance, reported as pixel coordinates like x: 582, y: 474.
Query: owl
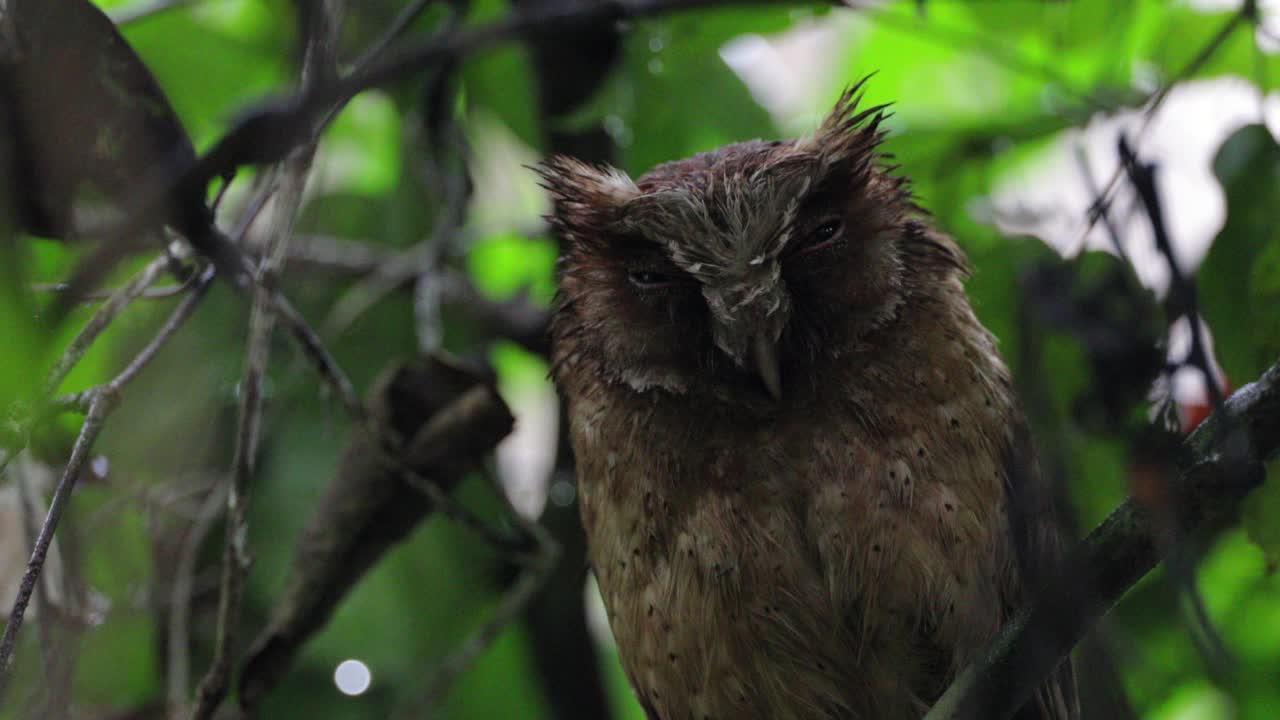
x: 806, y: 485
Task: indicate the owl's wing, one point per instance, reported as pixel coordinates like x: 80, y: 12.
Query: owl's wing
x: 1037, y: 542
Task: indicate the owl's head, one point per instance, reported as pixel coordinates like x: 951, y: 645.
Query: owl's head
x: 734, y: 272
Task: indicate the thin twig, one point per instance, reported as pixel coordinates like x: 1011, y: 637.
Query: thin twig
x: 518, y: 319
x: 444, y: 139
x: 547, y: 18
x: 1247, y: 13
x: 314, y: 348
x: 1181, y: 303
x: 458, y: 513
x: 235, y: 562
x: 1100, y: 210
x: 44, y: 598
x: 99, y: 408
x: 97, y: 403
x: 171, y: 325
x: 112, y: 308
x: 155, y: 293
x: 513, y: 603
x: 166, y: 331
x: 377, y: 285
x: 393, y: 31
x: 320, y: 24
x: 338, y: 254
x: 179, y: 670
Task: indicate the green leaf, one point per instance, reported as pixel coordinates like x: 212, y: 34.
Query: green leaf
x: 1262, y: 516
x: 501, y: 80
x: 507, y: 263
x: 1238, y: 276
x: 674, y: 96
x: 229, y: 55
x: 117, y: 663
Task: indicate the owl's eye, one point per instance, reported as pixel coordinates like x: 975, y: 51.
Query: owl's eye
x: 824, y: 236
x: 649, y: 280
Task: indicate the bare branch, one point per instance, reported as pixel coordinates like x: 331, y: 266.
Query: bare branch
x: 436, y: 419
x: 517, y: 319
x: 1181, y: 302
x: 513, y: 603
x: 320, y: 26
x: 155, y: 293
x: 179, y: 670
x: 112, y: 308
x: 166, y: 331
x: 338, y: 254
x: 1225, y: 457
x: 44, y: 605
x: 397, y: 27
x: 1248, y: 13
x: 235, y: 563
x: 532, y: 579
x: 546, y: 19
x: 99, y: 408
x: 267, y: 133
x: 313, y: 347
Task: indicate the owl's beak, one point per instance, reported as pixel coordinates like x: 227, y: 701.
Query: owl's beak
x: 764, y: 358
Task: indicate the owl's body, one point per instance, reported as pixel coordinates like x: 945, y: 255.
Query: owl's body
x: 797, y: 456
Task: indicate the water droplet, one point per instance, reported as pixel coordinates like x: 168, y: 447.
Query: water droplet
x: 655, y: 66
x: 656, y: 44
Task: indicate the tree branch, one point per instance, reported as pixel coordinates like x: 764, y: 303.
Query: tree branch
x: 1223, y: 462
x: 435, y: 421
x: 98, y: 402
x: 516, y: 600
x: 319, y: 24
x: 110, y: 309
x: 517, y: 319
x: 99, y: 408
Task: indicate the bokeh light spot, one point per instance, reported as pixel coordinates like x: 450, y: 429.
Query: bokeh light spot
x: 352, y: 677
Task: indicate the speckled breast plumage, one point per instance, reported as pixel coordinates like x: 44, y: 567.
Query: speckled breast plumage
x: 839, y: 557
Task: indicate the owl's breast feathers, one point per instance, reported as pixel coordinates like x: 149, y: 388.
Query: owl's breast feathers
x: 837, y: 559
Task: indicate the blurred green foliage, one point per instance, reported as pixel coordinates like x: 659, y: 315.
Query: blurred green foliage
x: 977, y: 88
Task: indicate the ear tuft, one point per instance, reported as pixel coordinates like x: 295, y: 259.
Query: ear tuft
x: 585, y: 198
x: 572, y: 181
x: 849, y: 133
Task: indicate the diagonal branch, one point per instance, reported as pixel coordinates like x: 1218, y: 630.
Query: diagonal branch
x: 1223, y: 463
x: 268, y: 132
x: 110, y: 309
x: 99, y: 408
